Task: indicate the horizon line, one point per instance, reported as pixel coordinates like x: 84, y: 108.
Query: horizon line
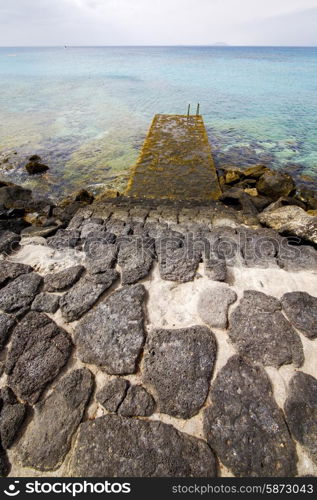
x: 218, y: 45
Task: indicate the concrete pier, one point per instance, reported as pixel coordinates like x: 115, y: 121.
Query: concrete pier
x: 176, y: 162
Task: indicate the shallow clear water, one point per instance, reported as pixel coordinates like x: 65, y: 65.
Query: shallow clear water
x: 86, y: 111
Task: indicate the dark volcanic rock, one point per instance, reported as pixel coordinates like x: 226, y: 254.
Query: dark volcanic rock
x: 177, y: 366
x: 64, y: 239
x: 43, y: 231
x: 135, y: 258
x: 20, y: 292
x: 11, y: 417
x: 275, y: 184
x: 57, y: 282
x: 113, y: 393
x: 216, y: 269
x: 6, y: 323
x: 47, y: 438
x: 101, y: 257
x: 114, y: 446
x: 259, y: 248
x: 178, y: 261
x: 15, y: 196
x: 8, y: 242
x: 259, y: 331
x: 46, y: 302
x: 4, y: 463
x: 297, y: 258
x: 301, y: 310
x: 36, y: 167
x: 111, y: 336
x: 84, y: 196
x: 292, y: 220
x: 11, y: 270
x: 137, y: 402
x: 39, y: 349
x: 301, y: 411
x: 245, y: 426
x: 84, y: 295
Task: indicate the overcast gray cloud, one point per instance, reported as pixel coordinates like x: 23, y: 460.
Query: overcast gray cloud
x: 163, y: 22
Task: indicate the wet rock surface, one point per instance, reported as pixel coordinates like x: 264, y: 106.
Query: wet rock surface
x: 12, y: 414
x: 111, y: 336
x: 245, y: 426
x: 55, y: 420
x: 301, y: 310
x: 57, y: 282
x: 275, y: 184
x: 213, y: 305
x: 259, y: 331
x: 301, y: 411
x: 39, y: 349
x: 137, y: 402
x: 20, y: 293
x: 114, y: 446
x: 84, y: 295
x: 177, y: 367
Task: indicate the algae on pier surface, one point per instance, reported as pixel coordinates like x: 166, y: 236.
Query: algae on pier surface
x: 175, y: 162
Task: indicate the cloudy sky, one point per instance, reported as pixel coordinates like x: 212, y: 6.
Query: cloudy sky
x: 158, y: 22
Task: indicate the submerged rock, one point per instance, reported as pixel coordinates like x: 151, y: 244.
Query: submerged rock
x: 259, y: 331
x: 301, y: 411
x: 245, y: 426
x: 12, y: 414
x: 47, y: 438
x: 301, y: 310
x: 111, y: 336
x: 213, y: 305
x: 114, y: 446
x: 36, y: 167
x: 20, y: 292
x: 39, y: 349
x: 177, y: 366
x: 58, y: 282
x: 84, y: 295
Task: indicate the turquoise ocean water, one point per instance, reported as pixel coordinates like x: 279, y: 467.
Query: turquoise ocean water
x: 86, y: 111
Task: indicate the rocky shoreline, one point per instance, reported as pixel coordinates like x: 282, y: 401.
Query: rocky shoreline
x: 154, y: 338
